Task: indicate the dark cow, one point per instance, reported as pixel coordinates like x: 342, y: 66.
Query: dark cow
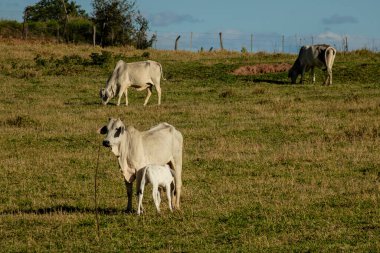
x: 321, y: 56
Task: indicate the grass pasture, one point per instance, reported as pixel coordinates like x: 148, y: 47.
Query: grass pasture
x: 268, y: 166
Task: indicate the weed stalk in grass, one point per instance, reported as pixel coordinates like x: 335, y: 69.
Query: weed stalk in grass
x: 96, y: 195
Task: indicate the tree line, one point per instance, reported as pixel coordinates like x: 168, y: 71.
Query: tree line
x: 112, y: 22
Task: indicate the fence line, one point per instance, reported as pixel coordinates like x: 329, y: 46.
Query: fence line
x: 235, y: 41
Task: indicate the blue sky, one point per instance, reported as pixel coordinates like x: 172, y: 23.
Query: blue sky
x: 296, y: 20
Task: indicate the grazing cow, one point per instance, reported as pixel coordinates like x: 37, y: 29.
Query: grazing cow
x: 134, y: 150
x: 321, y: 56
x: 158, y: 176
x: 140, y: 75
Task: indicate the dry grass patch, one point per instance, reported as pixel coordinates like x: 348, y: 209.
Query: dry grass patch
x: 268, y: 166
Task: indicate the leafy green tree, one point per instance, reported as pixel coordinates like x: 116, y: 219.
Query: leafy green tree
x: 118, y: 22
x: 54, y: 11
x: 141, y: 36
x: 46, y: 10
x: 114, y: 20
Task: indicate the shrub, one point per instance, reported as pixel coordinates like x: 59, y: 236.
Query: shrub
x: 101, y: 59
x: 10, y: 28
x: 79, y: 30
x: 145, y: 55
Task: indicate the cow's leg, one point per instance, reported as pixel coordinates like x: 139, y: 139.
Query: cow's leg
x: 177, y: 166
x: 312, y: 74
x: 328, y: 76
x: 129, y: 187
x: 120, y: 95
x: 149, y: 90
x: 178, y: 185
x: 126, y: 97
x: 158, y: 88
x: 302, y: 74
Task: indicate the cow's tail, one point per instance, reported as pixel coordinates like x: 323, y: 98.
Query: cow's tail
x: 162, y: 72
x: 329, y: 57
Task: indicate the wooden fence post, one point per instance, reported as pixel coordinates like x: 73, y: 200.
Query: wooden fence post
x: 283, y: 44
x: 155, y: 41
x: 94, y: 35
x: 251, y: 42
x: 191, y: 40
x: 345, y: 44
x: 25, y: 26
x: 176, y: 42
x: 221, y: 41
x: 65, y: 35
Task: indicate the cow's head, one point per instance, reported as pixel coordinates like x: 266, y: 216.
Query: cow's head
x: 104, y: 95
x: 114, y: 131
x: 293, y: 74
x: 295, y: 70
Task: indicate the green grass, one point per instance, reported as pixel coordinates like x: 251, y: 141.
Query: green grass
x: 268, y: 166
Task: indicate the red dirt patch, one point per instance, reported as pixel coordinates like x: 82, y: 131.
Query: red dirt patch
x: 261, y: 69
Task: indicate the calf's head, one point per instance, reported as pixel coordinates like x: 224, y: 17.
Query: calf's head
x: 114, y: 131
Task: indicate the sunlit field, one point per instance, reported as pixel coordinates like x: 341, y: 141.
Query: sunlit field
x: 268, y: 166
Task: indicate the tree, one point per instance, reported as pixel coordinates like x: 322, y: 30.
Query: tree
x: 56, y: 11
x: 119, y: 23
x: 141, y: 36
x: 46, y: 10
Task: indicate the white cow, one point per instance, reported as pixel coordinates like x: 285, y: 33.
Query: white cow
x: 320, y: 56
x: 158, y: 176
x: 140, y: 75
x: 134, y: 150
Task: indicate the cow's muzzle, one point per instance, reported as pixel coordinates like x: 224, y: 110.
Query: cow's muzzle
x: 106, y: 143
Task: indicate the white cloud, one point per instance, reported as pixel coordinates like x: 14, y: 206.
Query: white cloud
x: 168, y: 18
x: 338, y: 20
x: 330, y: 36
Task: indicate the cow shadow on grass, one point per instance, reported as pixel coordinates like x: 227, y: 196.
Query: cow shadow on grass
x: 265, y: 80
x: 64, y: 209
x: 278, y: 82
x: 76, y: 103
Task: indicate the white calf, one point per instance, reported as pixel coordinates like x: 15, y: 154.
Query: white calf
x: 158, y: 176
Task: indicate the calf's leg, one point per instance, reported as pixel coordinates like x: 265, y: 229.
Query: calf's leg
x: 155, y: 193
x: 140, y: 198
x: 168, y: 194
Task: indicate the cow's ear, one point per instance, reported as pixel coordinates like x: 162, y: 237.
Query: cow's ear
x: 122, y: 130
x: 102, y: 130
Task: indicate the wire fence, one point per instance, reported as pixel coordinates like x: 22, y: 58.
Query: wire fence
x: 197, y: 41
x: 277, y: 43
